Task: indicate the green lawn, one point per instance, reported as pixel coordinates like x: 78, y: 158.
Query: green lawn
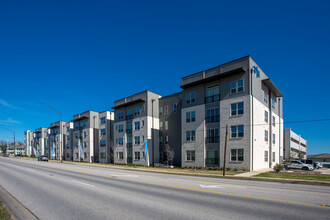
x: 296, y: 176
x: 4, y: 214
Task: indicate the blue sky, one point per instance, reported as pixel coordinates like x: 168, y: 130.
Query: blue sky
x: 83, y: 55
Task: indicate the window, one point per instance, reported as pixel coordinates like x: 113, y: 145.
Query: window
x: 160, y: 111
x: 143, y: 108
x: 129, y: 114
x: 190, y: 97
x: 266, y: 135
x: 137, y: 125
x: 212, y: 94
x: 190, y: 155
x: 166, y: 110
x: 190, y: 117
x: 119, y: 141
x: 237, y: 155
x: 274, y: 122
x: 85, y: 144
x: 266, y: 156
x: 237, y: 108
x: 120, y: 115
x: 265, y: 97
x: 137, y: 110
x: 136, y: 155
x: 102, y: 120
x: 212, y: 135
x: 129, y: 128
x: 273, y: 138
x: 190, y: 136
x: 266, y: 116
x: 161, y: 140
x: 76, y: 155
x: 120, y: 128
x: 137, y: 140
x: 85, y: 155
x: 121, y: 155
x: 273, y: 103
x: 103, y: 143
x: 212, y: 115
x: 273, y: 157
x: 68, y: 137
x: 166, y: 140
x: 85, y: 134
x: 67, y: 128
x: 160, y: 125
x: 166, y: 125
x: 237, y: 131
x: 174, y: 108
x: 103, y: 131
x: 237, y: 86
x: 67, y: 146
x: 103, y: 155
x: 76, y: 145
x: 142, y: 138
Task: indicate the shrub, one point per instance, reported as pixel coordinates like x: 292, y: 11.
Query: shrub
x: 221, y: 168
x: 228, y: 168
x: 235, y: 169
x: 278, y: 168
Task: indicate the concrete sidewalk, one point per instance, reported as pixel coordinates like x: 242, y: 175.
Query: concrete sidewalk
x: 253, y: 173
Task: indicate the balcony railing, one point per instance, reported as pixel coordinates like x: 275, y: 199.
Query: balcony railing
x: 214, y: 139
x: 129, y: 131
x: 214, y: 98
x: 212, y: 161
x: 212, y: 119
x: 129, y: 117
x: 129, y: 145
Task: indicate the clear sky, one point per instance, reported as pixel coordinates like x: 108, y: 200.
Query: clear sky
x: 84, y: 55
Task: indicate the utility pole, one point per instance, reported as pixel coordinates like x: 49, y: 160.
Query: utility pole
x: 224, y: 154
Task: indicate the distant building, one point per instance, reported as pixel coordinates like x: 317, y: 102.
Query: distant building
x: 68, y: 140
x: 295, y: 147
x: 136, y: 126
x: 56, y: 140
x: 40, y: 141
x: 86, y: 136
x: 106, y: 137
x: 28, y: 141
x: 324, y: 159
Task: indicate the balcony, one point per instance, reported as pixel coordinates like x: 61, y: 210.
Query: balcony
x: 214, y: 98
x: 212, y: 162
x: 214, y: 139
x: 129, y: 145
x: 129, y: 117
x: 129, y: 131
x: 212, y: 119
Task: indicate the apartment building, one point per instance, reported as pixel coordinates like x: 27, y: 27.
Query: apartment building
x: 56, y: 140
x: 240, y: 96
x: 28, y: 141
x: 170, y: 128
x: 295, y: 147
x: 86, y: 136
x: 106, y: 137
x: 40, y: 142
x: 68, y: 141
x: 136, y: 134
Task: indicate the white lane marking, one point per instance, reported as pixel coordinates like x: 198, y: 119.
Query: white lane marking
x: 220, y: 186
x: 83, y: 183
x: 123, y: 175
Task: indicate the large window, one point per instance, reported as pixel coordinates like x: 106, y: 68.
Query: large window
x: 137, y: 110
x: 102, y: 120
x: 166, y: 125
x: 161, y: 111
x: 274, y: 122
x: 190, y: 155
x: 212, y: 115
x: 274, y: 138
x: 190, y: 135
x: 265, y: 96
x: 273, y: 156
x: 237, y: 131
x: 137, y: 125
x: 212, y: 94
x: 121, y: 155
x: 129, y: 114
x: 190, y: 117
x: 212, y: 135
x: 236, y: 86
x: 273, y: 103
x: 120, y: 128
x: 237, y: 108
x: 137, y: 140
x: 266, y: 135
x: 237, y: 155
x: 137, y: 155
x: 266, y: 156
x: 103, y: 143
x: 266, y: 116
x: 119, y: 141
x: 174, y: 108
x: 103, y: 131
x: 103, y: 155
x: 166, y: 110
x: 190, y: 97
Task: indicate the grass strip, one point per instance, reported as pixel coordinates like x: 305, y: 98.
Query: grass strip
x: 4, y: 213
x: 295, y: 176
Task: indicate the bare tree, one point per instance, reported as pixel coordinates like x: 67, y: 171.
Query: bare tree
x: 3, y: 146
x: 168, y: 153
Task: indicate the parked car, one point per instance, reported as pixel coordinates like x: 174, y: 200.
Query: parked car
x: 316, y: 165
x: 296, y: 164
x: 43, y: 158
x: 5, y: 155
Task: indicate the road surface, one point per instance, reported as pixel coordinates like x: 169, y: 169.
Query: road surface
x: 67, y: 191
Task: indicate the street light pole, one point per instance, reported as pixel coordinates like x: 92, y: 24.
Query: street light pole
x: 61, y: 142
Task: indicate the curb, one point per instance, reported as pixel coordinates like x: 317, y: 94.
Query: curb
x: 17, y: 210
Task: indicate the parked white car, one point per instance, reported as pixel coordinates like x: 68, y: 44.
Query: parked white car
x: 296, y: 164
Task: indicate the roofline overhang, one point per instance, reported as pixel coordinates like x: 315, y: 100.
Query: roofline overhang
x: 272, y: 87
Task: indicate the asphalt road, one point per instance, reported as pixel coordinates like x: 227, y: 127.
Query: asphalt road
x: 66, y: 191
